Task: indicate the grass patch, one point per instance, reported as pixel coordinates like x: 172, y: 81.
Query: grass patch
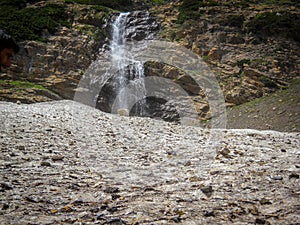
x: 22, y: 84
x: 205, y: 58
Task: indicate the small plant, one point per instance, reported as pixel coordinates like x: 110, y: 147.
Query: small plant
x: 236, y: 20
x: 275, y: 23
x: 268, y: 82
x: 188, y: 9
x: 173, y: 35
x: 240, y: 63
x: 158, y: 2
x: 205, y: 58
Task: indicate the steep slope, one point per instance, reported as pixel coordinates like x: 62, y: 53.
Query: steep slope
x: 252, y: 47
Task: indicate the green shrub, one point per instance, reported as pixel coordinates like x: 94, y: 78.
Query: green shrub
x: 158, y: 2
x: 268, y: 82
x: 188, y: 9
x: 275, y: 23
x: 121, y: 5
x: 236, y: 20
x: 30, y: 23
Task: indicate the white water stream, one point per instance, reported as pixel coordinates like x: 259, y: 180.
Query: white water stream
x: 131, y: 72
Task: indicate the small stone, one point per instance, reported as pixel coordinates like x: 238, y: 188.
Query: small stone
x: 265, y: 201
x: 31, y: 199
x: 111, y: 190
x: 207, y: 190
x: 21, y: 148
x: 260, y: 221
x: 294, y: 175
x: 225, y: 152
x: 149, y: 189
x: 115, y: 196
x: 57, y: 158
x: 5, y: 187
x: 116, y: 221
x: 209, y: 213
x: 188, y: 163
x: 277, y: 178
x: 78, y: 201
x: 5, y: 206
x: 67, y: 208
x: 45, y: 163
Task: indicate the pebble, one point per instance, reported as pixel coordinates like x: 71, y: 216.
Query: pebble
x: 208, y: 190
x: 130, y: 178
x: 45, y: 163
x: 294, y: 175
x: 260, y: 221
x: 277, y: 178
x: 5, y: 187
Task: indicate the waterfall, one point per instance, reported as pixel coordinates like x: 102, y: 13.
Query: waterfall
x: 130, y: 86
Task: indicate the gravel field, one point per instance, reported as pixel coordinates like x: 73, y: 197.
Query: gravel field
x: 66, y: 163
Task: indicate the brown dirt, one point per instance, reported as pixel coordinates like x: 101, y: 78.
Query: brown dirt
x: 278, y: 111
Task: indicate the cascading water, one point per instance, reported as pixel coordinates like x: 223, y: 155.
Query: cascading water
x: 115, y: 80
x: 130, y: 71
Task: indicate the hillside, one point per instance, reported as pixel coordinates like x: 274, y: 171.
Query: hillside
x: 65, y: 161
x: 251, y: 47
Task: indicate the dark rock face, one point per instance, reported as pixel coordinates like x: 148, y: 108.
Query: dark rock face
x: 140, y: 25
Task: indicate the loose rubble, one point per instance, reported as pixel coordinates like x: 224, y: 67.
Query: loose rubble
x: 66, y: 163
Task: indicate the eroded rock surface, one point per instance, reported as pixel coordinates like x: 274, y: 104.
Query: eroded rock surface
x: 66, y: 163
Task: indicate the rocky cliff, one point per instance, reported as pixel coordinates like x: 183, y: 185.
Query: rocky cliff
x: 251, y: 47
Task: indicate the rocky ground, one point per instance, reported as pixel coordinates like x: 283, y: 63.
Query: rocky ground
x: 66, y: 163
